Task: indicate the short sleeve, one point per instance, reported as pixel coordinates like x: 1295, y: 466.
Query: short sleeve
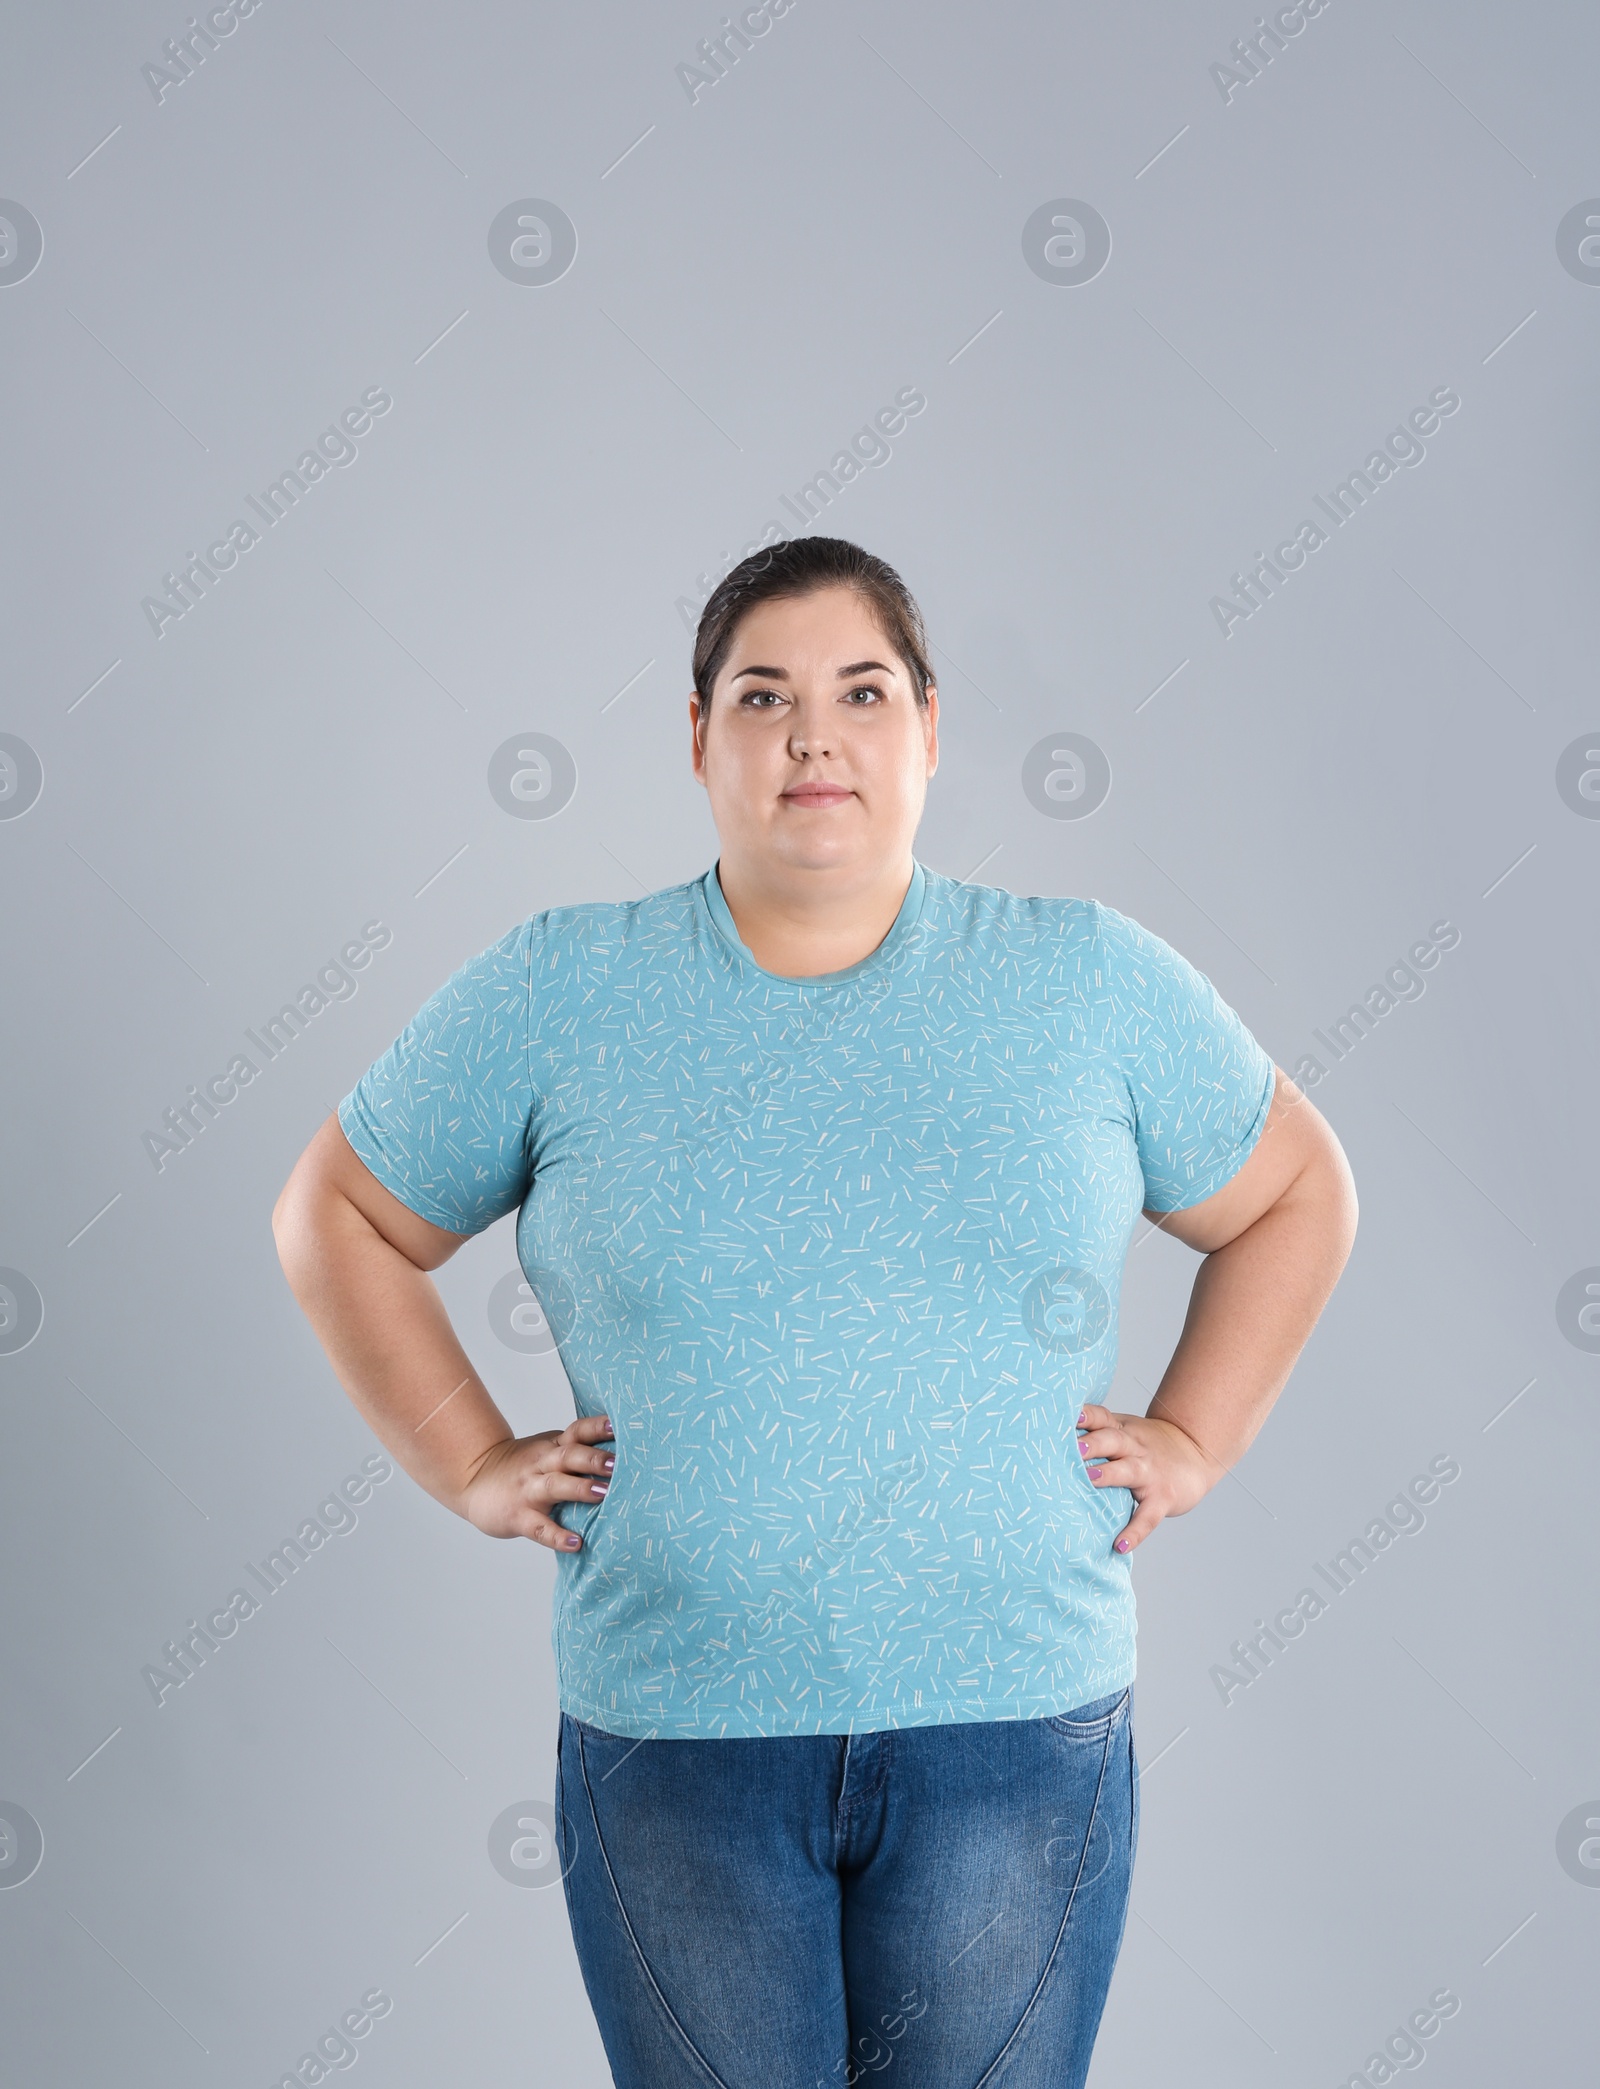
x: 1199, y: 1083
x: 442, y: 1118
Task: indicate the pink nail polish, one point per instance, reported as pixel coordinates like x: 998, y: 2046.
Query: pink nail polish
x: 610, y: 1462
x: 1122, y: 1544
x: 598, y: 1486
x: 573, y: 1539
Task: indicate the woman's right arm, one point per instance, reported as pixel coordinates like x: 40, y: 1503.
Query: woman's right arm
x: 358, y: 1262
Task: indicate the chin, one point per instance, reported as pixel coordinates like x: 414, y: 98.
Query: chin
x: 819, y: 850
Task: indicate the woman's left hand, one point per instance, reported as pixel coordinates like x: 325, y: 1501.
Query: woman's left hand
x: 1164, y: 1469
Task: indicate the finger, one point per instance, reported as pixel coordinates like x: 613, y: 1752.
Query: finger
x: 586, y: 1457
x: 588, y: 1428
x: 1139, y: 1526
x: 1108, y: 1442
x: 557, y: 1486
x: 1095, y: 1418
x: 1119, y: 1472
x: 583, y: 1445
x: 1112, y: 1445
x: 544, y: 1530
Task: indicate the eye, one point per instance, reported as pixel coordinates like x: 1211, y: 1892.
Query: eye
x: 761, y: 699
x: 867, y: 690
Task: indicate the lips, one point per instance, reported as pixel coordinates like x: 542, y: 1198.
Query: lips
x: 818, y: 794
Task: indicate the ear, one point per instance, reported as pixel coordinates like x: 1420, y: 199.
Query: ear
x: 697, y: 749
x: 930, y: 727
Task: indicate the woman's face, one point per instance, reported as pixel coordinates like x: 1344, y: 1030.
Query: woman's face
x: 814, y: 750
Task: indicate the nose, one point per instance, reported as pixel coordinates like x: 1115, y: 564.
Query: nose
x: 810, y: 731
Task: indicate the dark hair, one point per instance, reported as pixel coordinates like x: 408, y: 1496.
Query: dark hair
x: 800, y: 566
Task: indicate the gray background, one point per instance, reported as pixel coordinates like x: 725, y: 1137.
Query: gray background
x: 307, y: 749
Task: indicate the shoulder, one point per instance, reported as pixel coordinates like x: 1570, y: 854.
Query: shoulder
x: 555, y: 940
x: 1123, y: 940
x: 598, y: 928
x: 1019, y: 924
x: 580, y: 941
x: 1014, y: 916
x: 1136, y: 959
x: 592, y: 925
x: 1157, y: 1001
x: 1102, y: 953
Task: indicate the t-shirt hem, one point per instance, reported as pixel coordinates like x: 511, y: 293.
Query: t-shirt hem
x: 377, y: 1163
x: 1227, y: 1168
x: 954, y: 1711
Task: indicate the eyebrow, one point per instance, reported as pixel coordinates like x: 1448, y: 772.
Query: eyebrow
x: 781, y: 674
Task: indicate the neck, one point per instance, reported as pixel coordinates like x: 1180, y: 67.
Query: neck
x: 803, y: 923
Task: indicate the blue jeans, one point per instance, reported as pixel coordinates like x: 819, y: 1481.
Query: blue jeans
x: 804, y: 1912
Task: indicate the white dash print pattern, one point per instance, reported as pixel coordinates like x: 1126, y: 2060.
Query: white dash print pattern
x: 840, y: 1258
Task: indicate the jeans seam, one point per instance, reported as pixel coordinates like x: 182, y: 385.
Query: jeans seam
x: 847, y: 1808
x: 1093, y: 1729
x: 689, y: 2044
x: 1066, y: 1916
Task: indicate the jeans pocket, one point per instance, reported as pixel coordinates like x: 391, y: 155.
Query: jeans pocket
x: 1093, y: 1721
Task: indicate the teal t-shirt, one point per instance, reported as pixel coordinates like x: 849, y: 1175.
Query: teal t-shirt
x: 840, y: 1258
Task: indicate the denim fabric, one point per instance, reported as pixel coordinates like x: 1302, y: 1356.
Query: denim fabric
x: 808, y: 1911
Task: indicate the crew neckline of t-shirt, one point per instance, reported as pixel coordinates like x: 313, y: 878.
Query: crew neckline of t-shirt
x: 711, y: 897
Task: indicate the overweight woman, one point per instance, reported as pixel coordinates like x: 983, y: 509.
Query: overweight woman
x: 825, y: 1166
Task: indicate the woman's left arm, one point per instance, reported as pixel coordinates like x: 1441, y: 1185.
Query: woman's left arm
x: 1275, y: 1240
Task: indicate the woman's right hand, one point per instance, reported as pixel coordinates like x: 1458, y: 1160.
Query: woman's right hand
x: 518, y: 1481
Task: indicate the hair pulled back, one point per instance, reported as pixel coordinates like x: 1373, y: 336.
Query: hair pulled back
x: 800, y: 566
